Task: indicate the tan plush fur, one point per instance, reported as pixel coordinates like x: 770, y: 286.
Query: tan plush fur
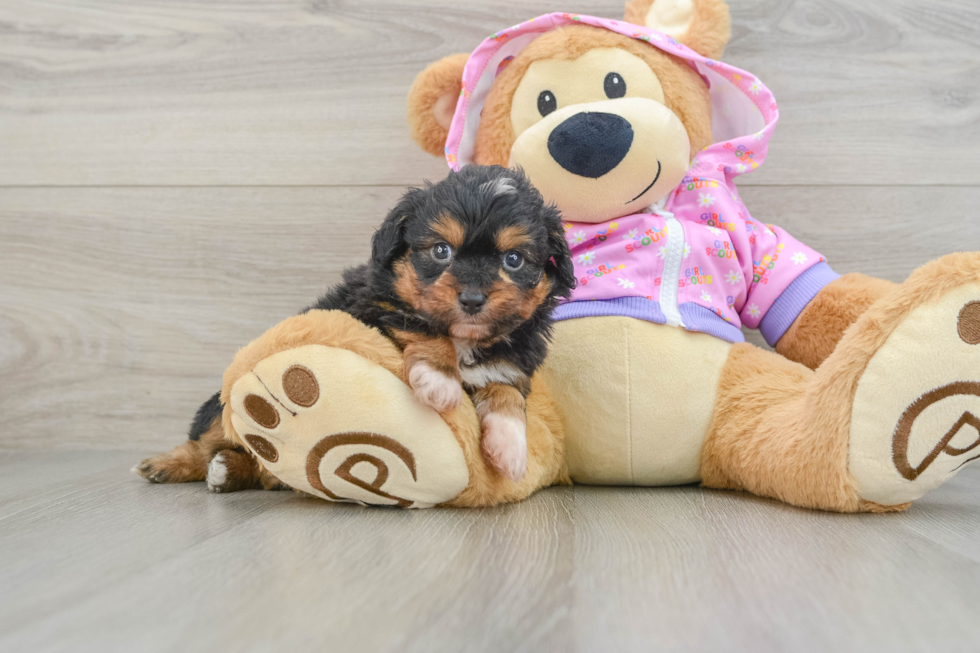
x: 761, y: 438
x: 545, y: 435
x: 818, y: 329
x: 442, y: 79
x: 685, y: 92
x: 710, y: 28
x: 782, y: 431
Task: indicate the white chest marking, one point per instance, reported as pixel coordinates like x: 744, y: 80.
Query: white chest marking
x: 479, y: 376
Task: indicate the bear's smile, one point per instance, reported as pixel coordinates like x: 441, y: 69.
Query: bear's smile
x: 643, y: 192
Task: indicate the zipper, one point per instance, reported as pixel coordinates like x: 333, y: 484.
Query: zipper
x: 670, y: 281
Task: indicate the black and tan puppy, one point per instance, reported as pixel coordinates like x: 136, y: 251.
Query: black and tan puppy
x: 463, y: 277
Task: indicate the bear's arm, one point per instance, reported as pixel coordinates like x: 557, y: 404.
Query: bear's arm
x: 815, y: 332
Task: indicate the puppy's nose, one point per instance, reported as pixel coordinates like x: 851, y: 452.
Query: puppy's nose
x: 472, y: 302
x: 590, y: 144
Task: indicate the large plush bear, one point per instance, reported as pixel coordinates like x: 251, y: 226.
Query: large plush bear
x: 637, y: 132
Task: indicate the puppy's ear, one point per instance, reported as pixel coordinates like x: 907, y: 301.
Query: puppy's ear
x: 559, y: 266
x: 432, y: 102
x: 702, y: 25
x: 388, y: 242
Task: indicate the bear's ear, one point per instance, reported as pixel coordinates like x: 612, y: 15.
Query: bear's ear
x: 432, y: 102
x: 702, y: 25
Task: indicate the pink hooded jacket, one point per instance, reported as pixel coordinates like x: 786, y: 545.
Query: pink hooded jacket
x: 697, y: 260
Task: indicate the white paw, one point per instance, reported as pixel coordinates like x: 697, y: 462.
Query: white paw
x: 505, y: 444
x: 217, y: 473
x: 435, y: 389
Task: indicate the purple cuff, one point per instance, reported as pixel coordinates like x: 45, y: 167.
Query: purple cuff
x: 788, y: 306
x: 639, y: 307
x: 704, y: 320
x: 696, y: 317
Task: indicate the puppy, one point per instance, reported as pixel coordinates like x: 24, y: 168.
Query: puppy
x: 463, y: 277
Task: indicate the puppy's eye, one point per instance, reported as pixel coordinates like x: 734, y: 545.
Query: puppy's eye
x: 546, y: 103
x: 442, y: 252
x: 513, y: 261
x: 614, y: 86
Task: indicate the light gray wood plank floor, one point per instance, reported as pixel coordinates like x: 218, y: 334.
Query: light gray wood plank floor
x: 93, y: 558
x: 177, y: 177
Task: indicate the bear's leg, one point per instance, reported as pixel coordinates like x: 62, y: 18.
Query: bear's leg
x: 322, y: 401
x: 820, y: 326
x: 771, y: 436
x: 892, y: 412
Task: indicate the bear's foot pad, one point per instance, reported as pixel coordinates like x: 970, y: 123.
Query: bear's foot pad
x: 916, y: 415
x: 333, y: 424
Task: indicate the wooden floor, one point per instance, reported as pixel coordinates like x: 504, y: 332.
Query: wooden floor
x: 94, y: 559
x: 177, y: 177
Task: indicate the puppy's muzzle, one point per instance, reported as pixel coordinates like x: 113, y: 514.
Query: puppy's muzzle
x: 472, y: 302
x: 590, y: 144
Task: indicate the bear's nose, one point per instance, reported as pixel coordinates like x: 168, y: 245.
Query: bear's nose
x: 591, y: 144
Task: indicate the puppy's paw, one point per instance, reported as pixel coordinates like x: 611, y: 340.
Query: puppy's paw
x: 152, y: 470
x: 435, y: 389
x: 217, y: 473
x: 178, y: 466
x: 505, y: 443
x: 232, y: 471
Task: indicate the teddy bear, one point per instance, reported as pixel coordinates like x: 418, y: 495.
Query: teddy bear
x: 637, y: 131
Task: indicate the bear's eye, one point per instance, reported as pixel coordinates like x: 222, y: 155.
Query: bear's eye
x: 614, y: 86
x: 546, y: 103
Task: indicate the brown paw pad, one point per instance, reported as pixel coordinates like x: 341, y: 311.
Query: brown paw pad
x: 264, y: 414
x: 968, y: 324
x: 300, y: 386
x: 263, y: 447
